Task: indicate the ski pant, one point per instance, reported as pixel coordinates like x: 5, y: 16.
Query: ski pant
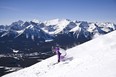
x: 59, y: 56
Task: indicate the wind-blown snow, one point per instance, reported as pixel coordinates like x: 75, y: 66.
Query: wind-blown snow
x: 52, y: 22
x: 96, y: 58
x: 36, y: 21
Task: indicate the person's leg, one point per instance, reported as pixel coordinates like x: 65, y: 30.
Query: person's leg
x: 59, y: 57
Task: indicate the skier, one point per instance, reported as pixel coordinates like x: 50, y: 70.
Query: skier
x: 61, y: 53
x: 57, y: 51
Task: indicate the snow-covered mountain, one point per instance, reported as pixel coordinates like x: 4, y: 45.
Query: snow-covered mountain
x: 53, y: 31
x: 30, y: 29
x: 57, y: 26
x: 95, y: 58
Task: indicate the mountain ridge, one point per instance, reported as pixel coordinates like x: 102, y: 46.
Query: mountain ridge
x: 53, y: 31
x: 57, y: 26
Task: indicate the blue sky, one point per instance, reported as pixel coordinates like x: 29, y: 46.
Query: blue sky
x: 82, y: 10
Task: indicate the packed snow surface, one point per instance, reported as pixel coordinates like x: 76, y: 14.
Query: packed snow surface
x: 96, y: 58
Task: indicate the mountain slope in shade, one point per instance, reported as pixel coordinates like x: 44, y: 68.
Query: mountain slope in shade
x: 95, y: 58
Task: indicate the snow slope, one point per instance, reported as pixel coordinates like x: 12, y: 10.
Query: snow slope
x: 96, y: 58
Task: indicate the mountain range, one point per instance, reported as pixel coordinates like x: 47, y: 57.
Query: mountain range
x: 37, y: 36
